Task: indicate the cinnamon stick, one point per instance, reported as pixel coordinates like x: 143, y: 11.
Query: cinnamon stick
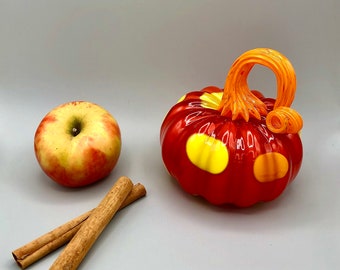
x: 45, y: 244
x: 75, y: 251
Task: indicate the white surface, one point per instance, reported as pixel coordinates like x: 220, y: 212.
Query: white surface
x: 136, y: 58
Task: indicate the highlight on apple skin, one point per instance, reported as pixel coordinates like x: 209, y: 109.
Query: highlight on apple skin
x: 77, y: 143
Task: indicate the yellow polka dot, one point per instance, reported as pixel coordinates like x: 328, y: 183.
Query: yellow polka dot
x: 207, y: 153
x: 181, y: 99
x: 270, y: 166
x: 211, y: 100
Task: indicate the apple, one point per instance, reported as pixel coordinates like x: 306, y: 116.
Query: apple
x: 77, y: 143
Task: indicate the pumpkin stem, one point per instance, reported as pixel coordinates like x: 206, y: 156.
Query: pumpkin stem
x: 239, y: 102
x: 284, y: 120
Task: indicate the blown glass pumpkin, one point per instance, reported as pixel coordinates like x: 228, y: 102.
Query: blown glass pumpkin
x: 233, y: 145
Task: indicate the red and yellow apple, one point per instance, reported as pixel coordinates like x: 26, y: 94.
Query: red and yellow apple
x: 77, y: 143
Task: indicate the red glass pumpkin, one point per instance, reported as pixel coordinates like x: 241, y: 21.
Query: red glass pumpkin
x: 233, y: 145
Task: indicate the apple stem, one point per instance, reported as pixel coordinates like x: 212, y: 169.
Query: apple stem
x: 75, y: 131
x: 76, y: 127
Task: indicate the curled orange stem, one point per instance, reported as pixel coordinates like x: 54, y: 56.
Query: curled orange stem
x: 284, y: 120
x: 239, y: 102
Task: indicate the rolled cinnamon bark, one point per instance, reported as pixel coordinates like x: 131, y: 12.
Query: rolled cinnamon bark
x: 75, y: 251
x: 45, y: 244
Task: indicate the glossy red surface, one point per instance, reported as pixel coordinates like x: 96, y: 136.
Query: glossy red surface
x: 245, y: 141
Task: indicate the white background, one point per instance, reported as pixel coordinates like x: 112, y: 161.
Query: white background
x: 136, y: 58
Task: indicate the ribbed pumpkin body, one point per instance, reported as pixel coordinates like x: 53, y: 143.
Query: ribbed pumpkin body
x: 223, y: 160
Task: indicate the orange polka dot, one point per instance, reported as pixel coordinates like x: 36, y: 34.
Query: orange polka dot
x: 270, y: 167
